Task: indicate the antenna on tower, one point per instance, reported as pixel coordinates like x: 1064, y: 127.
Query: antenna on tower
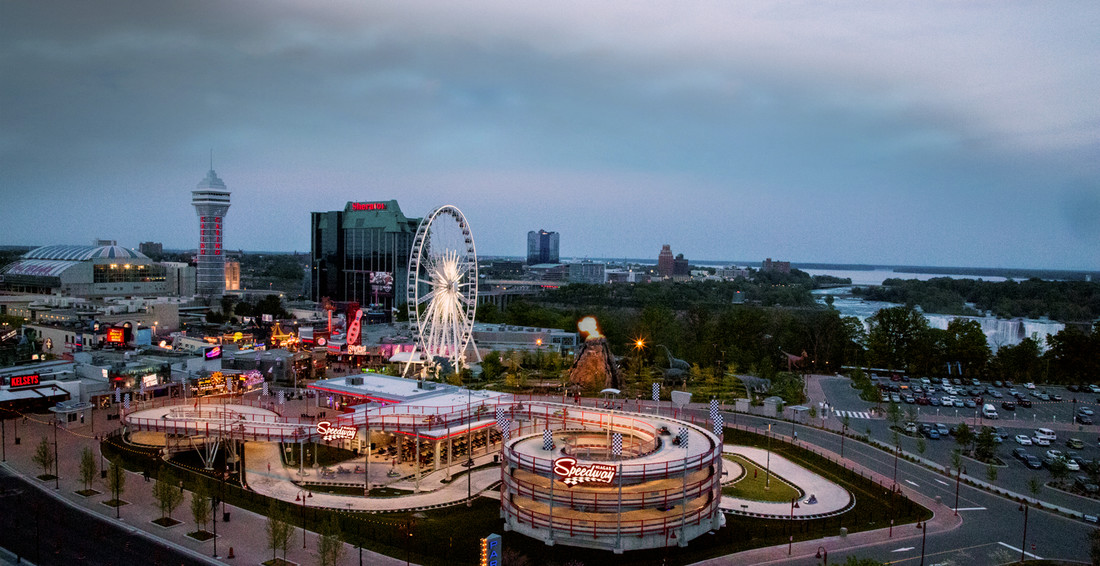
x: 211, y: 159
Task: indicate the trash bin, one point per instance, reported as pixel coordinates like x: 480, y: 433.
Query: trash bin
x: 225, y: 516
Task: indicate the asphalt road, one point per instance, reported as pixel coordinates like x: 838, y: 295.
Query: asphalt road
x: 992, y: 529
x: 1013, y: 476
x: 46, y: 532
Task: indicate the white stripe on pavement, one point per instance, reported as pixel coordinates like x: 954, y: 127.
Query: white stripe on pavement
x: 971, y: 509
x: 906, y: 549
x: 1014, y: 549
x: 943, y: 482
x: 911, y: 483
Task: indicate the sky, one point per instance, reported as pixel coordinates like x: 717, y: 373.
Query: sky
x: 917, y: 133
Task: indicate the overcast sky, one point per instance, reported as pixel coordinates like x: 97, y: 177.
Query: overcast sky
x: 928, y: 133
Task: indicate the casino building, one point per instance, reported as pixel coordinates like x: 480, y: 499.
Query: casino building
x: 104, y: 270
x: 359, y: 254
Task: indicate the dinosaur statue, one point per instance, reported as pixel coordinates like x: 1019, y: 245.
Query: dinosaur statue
x: 795, y: 361
x: 677, y: 368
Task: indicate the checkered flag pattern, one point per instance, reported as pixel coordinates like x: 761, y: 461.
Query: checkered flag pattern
x: 502, y: 421
x: 713, y: 409
x: 282, y: 397
x: 126, y: 402
x: 683, y: 437
x: 267, y: 390
x: 547, y: 440
x: 719, y: 425
x: 505, y: 429
x: 656, y: 391
x: 142, y: 387
x: 118, y: 395
x: 617, y: 444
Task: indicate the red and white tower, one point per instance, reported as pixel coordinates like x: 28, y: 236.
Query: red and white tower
x: 211, y: 201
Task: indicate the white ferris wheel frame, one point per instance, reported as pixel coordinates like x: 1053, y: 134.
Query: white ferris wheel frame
x: 445, y: 328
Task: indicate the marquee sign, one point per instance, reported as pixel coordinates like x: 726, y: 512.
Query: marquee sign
x: 571, y: 473
x: 368, y: 206
x: 491, y: 550
x: 329, y: 432
x: 115, y: 335
x: 24, y: 380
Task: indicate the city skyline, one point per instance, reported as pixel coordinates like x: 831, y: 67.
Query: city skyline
x: 947, y: 135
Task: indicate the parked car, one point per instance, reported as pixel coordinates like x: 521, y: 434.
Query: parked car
x: 1029, y: 385
x: 1056, y: 397
x: 1040, y: 441
x: 1023, y: 440
x: 997, y: 394
x: 1085, y: 411
x: 942, y: 428
x: 1019, y: 453
x: 909, y: 399
x: 1025, y: 403
x: 998, y: 384
x: 1008, y: 405
x: 1084, y: 419
x: 933, y: 434
x: 1033, y: 462
x: 1054, y: 454
x: 1073, y: 387
x: 970, y: 404
x: 1094, y: 388
x: 911, y: 427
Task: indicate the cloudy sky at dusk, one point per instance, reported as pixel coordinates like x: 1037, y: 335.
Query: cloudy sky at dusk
x: 928, y: 133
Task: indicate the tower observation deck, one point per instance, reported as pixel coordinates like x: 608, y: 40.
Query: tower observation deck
x: 211, y: 201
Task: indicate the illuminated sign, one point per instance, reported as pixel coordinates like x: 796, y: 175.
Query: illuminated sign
x: 357, y: 350
x: 8, y: 335
x: 116, y: 335
x: 150, y: 380
x: 368, y: 206
x: 571, y: 473
x: 329, y: 432
x: 215, y: 352
x: 355, y: 327
x: 24, y: 380
x: 491, y: 550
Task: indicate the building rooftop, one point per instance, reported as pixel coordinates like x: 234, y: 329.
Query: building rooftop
x: 82, y: 253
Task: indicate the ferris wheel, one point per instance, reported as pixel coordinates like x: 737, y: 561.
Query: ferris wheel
x: 442, y: 287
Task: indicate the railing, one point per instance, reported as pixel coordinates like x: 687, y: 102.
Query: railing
x: 637, y: 472
x: 607, y: 500
x: 599, y: 528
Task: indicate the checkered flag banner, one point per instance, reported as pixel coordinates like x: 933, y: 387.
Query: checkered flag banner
x: 617, y: 444
x: 142, y: 388
x: 683, y: 437
x: 719, y: 425
x: 126, y: 402
x: 713, y: 409
x: 505, y: 429
x: 503, y: 422
x: 547, y: 440
x: 118, y: 395
x: 282, y: 397
x: 267, y: 390
x: 656, y: 391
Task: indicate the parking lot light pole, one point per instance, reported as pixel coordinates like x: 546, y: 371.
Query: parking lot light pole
x: 1023, y: 544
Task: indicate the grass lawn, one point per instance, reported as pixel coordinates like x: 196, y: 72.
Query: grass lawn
x: 751, y: 486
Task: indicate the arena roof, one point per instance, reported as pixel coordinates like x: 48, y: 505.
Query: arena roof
x: 39, y: 267
x: 83, y: 253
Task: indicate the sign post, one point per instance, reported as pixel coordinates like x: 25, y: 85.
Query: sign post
x: 491, y: 550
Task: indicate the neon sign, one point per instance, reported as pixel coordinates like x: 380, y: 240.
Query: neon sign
x: 115, y: 335
x: 571, y: 473
x: 368, y: 206
x: 491, y: 550
x: 24, y: 380
x: 329, y: 432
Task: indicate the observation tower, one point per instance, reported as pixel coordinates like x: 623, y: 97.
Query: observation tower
x: 211, y: 201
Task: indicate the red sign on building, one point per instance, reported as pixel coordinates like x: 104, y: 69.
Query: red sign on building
x: 116, y: 335
x: 368, y: 206
x: 24, y: 380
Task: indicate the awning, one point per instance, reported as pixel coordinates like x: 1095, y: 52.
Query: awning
x: 405, y: 358
x: 9, y: 395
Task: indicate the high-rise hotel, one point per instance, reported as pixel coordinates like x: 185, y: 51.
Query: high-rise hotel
x: 211, y: 201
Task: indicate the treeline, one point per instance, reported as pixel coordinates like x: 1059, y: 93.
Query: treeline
x: 756, y: 340
x: 1066, y: 301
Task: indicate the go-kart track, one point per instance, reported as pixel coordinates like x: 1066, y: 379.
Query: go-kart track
x: 599, y: 478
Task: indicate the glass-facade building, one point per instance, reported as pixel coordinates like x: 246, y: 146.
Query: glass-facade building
x: 542, y: 247
x: 361, y: 254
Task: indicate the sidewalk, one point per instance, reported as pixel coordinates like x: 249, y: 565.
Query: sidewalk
x: 830, y: 497
x: 244, y: 533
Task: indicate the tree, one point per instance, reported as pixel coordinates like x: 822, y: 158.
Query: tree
x: 894, y: 336
x: 985, y: 446
x: 201, y: 509
x: 1034, y: 485
x: 116, y: 480
x: 991, y: 473
x: 956, y: 460
x: 1058, y: 469
x: 921, y: 445
x: 853, y: 561
x: 964, y: 437
x: 893, y: 414
x: 278, y: 529
x: 167, y: 492
x: 87, y: 467
x: 44, y: 456
x: 330, y: 549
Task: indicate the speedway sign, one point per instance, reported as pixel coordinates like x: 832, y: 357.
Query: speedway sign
x: 571, y: 473
x: 329, y: 432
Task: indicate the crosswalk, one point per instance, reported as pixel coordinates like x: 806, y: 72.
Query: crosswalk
x: 853, y: 414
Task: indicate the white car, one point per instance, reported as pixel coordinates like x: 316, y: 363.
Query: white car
x: 1094, y: 388
x: 1054, y: 454
x: 1029, y: 385
x: 1072, y: 466
x: 1023, y: 440
x: 1039, y: 441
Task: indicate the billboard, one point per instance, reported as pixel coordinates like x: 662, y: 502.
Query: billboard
x: 116, y: 335
x: 213, y: 352
x: 381, y: 283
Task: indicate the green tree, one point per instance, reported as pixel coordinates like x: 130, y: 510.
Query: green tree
x: 964, y: 437
x: 278, y: 529
x: 1034, y: 485
x: 894, y: 336
x: 855, y: 561
x: 201, y: 508
x: 966, y: 343
x: 167, y: 493
x: 985, y: 445
x: 893, y: 414
x: 44, y: 456
x: 1058, y: 469
x: 956, y: 460
x: 116, y: 480
x: 991, y: 473
x: 330, y: 549
x: 491, y: 366
x: 87, y: 467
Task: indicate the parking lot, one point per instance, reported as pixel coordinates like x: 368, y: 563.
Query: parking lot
x: 1014, y: 473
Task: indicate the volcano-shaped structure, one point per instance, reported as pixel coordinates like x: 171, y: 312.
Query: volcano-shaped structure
x: 594, y: 368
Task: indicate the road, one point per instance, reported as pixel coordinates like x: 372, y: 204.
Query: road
x: 46, y: 531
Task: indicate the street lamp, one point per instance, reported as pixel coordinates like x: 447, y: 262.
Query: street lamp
x: 1023, y: 545
x: 298, y: 497
x: 820, y: 551
x: 790, y: 525
x: 469, y: 463
x: 768, y: 463
x: 923, y: 538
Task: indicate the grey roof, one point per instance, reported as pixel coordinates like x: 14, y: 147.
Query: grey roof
x: 83, y: 253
